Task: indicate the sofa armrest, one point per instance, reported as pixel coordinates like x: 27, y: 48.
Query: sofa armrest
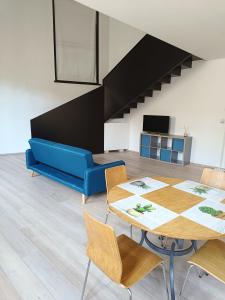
x: 30, y: 160
x: 94, y: 180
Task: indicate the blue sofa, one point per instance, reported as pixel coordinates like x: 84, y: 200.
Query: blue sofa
x: 68, y: 165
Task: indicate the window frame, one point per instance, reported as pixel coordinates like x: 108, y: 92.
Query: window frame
x: 96, y: 51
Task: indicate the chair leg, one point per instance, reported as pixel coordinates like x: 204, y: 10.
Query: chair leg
x: 202, y: 273
x: 106, y: 216
x: 85, y: 280
x: 84, y: 199
x: 162, y: 238
x: 186, y: 278
x: 34, y: 174
x: 131, y: 231
x: 163, y: 266
x: 143, y: 233
x: 130, y: 293
x: 165, y: 242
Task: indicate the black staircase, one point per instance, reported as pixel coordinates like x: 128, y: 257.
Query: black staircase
x: 142, y: 71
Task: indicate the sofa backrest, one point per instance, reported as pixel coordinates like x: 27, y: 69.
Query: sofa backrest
x: 71, y: 160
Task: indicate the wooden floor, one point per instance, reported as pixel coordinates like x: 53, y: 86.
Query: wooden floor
x: 42, y: 238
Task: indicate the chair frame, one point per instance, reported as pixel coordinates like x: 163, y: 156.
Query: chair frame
x: 185, y: 280
x: 202, y: 272
x: 162, y: 265
x: 213, y: 177
x: 113, y: 266
x: 108, y: 210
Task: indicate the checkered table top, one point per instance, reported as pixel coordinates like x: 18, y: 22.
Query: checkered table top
x: 171, y: 207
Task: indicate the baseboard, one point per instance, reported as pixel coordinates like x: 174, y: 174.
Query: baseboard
x: 14, y: 153
x: 191, y: 163
x: 127, y: 151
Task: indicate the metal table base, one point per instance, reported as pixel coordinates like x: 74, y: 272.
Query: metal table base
x: 171, y: 252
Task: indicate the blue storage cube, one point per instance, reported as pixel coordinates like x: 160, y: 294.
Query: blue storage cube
x: 153, y: 153
x: 154, y: 141
x: 145, y: 152
x: 165, y: 155
x: 178, y: 145
x: 145, y: 140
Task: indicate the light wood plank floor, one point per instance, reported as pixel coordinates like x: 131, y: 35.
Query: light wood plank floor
x: 42, y: 238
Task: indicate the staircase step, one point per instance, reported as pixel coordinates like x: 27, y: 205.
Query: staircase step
x: 194, y: 58
x: 157, y: 86
x: 176, y: 71
x: 140, y: 99
x: 133, y: 105
x: 118, y: 116
x: 148, y: 93
x: 166, y: 79
x: 187, y: 63
x: 126, y: 111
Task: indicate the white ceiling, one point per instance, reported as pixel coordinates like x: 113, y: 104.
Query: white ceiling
x: 197, y: 26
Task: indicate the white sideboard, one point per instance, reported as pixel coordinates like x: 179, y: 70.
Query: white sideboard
x: 116, y: 136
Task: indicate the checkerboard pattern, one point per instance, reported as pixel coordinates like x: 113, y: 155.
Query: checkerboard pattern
x: 186, y: 205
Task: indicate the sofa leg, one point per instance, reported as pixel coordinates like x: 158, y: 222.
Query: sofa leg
x: 34, y: 174
x: 84, y: 199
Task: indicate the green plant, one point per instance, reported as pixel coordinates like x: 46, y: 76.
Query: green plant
x: 211, y: 211
x: 139, y: 210
x: 201, y: 189
x: 144, y: 208
x: 140, y: 184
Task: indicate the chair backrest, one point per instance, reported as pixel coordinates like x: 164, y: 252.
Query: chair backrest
x: 215, y: 178
x: 115, y: 176
x: 103, y: 248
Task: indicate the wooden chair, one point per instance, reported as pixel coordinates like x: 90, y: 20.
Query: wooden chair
x: 211, y: 259
x: 214, y: 178
x: 113, y: 177
x: 120, y: 258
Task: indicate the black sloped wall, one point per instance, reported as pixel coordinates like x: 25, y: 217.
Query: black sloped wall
x: 79, y: 122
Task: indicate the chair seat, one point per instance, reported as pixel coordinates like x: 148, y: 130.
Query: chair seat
x: 136, y: 260
x: 211, y: 258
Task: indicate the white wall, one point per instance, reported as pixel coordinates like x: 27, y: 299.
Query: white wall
x: 122, y: 38
x: 197, y: 100
x: 27, y: 87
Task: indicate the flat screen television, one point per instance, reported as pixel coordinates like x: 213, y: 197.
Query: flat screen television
x: 156, y: 124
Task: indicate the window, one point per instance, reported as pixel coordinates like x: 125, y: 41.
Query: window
x: 76, y: 38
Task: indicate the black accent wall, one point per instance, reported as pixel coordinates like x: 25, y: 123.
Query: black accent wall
x: 79, y: 122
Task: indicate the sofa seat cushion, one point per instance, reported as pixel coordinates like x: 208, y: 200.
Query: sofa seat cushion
x: 71, y: 160
x: 67, y: 179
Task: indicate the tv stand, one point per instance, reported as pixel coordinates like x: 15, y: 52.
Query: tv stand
x: 175, y: 149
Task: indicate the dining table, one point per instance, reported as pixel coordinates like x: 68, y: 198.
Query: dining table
x: 182, y: 210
